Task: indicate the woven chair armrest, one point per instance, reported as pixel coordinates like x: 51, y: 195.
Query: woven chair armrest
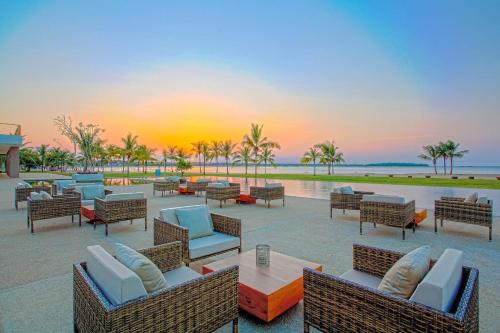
x: 227, y: 225
x: 373, y: 260
x: 462, y: 204
x: 165, y: 256
x: 410, y: 207
x: 330, y: 301
x: 165, y: 232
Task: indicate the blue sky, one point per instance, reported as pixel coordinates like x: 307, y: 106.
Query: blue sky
x: 381, y: 78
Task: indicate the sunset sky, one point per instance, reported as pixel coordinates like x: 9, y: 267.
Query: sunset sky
x: 381, y: 78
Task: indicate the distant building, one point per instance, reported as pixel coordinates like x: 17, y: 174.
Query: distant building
x: 10, y: 143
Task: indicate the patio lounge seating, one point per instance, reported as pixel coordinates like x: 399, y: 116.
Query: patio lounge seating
x: 478, y: 212
x: 59, y: 185
x: 23, y: 191
x: 345, y: 198
x: 199, y: 185
x: 57, y: 206
x: 222, y: 191
x: 389, y: 210
x: 88, y: 193
x: 165, y: 186
x: 225, y: 235
x: 109, y: 297
x: 271, y: 191
x: 445, y: 300
x: 120, y: 207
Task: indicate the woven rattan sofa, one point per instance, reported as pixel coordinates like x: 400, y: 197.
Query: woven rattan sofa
x: 343, y: 201
x: 393, y: 212
x: 197, y: 186
x: 22, y: 193
x: 167, y: 230
x: 222, y: 193
x: 121, y: 207
x: 202, y: 304
x: 334, y: 304
x: 165, y: 186
x: 58, y: 206
x: 458, y: 210
x: 268, y: 193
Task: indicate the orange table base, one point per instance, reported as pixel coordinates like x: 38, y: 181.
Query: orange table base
x: 88, y: 212
x: 185, y: 191
x: 245, y: 199
x: 420, y: 215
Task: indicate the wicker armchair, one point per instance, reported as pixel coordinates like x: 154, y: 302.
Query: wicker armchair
x: 58, y: 206
x: 457, y: 210
x: 201, y: 305
x: 120, y: 210
x: 390, y: 214
x: 165, y: 186
x: 22, y: 193
x: 197, y: 187
x: 346, y: 201
x: 332, y: 304
x: 165, y: 232
x: 222, y: 193
x: 268, y: 193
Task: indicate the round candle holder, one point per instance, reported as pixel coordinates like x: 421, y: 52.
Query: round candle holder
x: 262, y: 255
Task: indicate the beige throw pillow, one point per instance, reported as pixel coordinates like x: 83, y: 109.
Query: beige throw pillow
x: 472, y: 198
x: 148, y: 272
x: 404, y: 276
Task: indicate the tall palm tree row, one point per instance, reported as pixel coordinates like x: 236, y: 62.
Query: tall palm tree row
x: 312, y: 155
x: 257, y: 142
x: 227, y: 151
x: 215, y: 153
x: 129, y: 146
x: 448, y: 150
x: 327, y: 153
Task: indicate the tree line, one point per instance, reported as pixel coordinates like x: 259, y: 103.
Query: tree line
x: 447, y: 151
x: 326, y: 153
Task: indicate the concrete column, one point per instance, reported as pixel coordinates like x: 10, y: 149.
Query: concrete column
x: 12, y: 162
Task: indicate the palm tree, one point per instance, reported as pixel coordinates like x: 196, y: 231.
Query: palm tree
x: 257, y: 143
x: 243, y: 155
x: 171, y: 155
x: 205, y: 152
x: 198, y: 150
x: 164, y: 153
x: 453, y: 152
x: 215, y: 153
x: 42, y: 152
x: 431, y: 153
x: 443, y: 153
x: 113, y: 152
x: 267, y: 156
x: 311, y: 156
x: 227, y: 150
x: 330, y: 155
x: 129, y: 145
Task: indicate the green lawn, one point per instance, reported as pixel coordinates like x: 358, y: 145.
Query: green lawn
x: 396, y: 180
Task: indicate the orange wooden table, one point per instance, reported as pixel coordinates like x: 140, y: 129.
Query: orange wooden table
x: 267, y: 292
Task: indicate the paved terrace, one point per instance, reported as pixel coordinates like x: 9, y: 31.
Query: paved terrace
x: 36, y: 270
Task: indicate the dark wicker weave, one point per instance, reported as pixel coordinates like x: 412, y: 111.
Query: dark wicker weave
x: 201, y: 305
x: 165, y: 232
x: 457, y: 210
x: 267, y: 194
x: 346, y: 201
x: 391, y: 214
x: 165, y: 186
x: 332, y: 304
x: 59, y: 205
x: 197, y: 186
x: 22, y: 193
x: 120, y: 210
x: 223, y: 193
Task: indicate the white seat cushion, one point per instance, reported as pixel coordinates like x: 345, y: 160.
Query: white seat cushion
x: 118, y: 283
x: 384, y: 198
x: 124, y: 196
x: 180, y: 275
x: 440, y: 286
x: 208, y: 245
x: 362, y: 278
x: 36, y: 196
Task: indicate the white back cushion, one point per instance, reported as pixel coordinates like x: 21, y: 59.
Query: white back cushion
x: 472, y: 198
x: 440, y: 286
x: 116, y: 281
x: 384, y: 198
x: 124, y: 196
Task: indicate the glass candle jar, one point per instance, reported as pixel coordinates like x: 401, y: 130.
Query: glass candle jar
x: 263, y: 255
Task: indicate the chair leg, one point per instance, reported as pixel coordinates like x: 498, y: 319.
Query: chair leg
x: 15, y: 205
x: 72, y: 218
x: 403, y: 232
x: 32, y: 228
x: 283, y: 201
x: 27, y: 221
x: 268, y: 204
x: 235, y: 326
x: 145, y: 223
x: 331, y: 212
x: 80, y: 219
x: 106, y: 228
x: 343, y: 211
x: 435, y: 225
x: 131, y: 221
x: 441, y: 223
x: 490, y: 233
x: 306, y: 328
x: 414, y: 225
x: 220, y: 203
x: 360, y: 227
x: 75, y: 329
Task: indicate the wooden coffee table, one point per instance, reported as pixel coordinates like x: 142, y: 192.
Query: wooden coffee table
x: 267, y: 292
